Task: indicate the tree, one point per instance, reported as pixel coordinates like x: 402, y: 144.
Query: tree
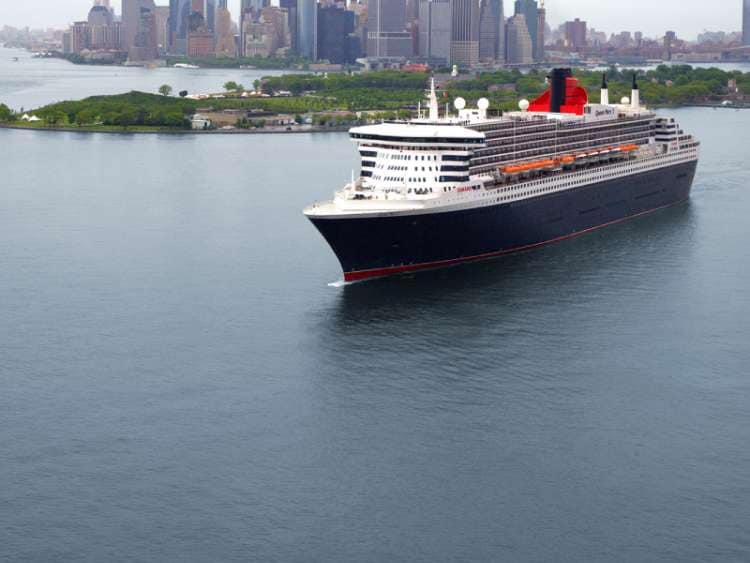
x: 183, y: 93
x: 85, y: 117
x: 232, y: 86
x: 5, y: 113
x: 165, y: 89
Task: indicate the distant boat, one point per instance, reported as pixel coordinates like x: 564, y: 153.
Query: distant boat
x: 185, y: 65
x: 14, y: 59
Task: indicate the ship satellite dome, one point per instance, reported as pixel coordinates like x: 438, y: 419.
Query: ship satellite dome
x: 459, y: 103
x: 625, y: 101
x: 483, y: 104
x: 524, y: 105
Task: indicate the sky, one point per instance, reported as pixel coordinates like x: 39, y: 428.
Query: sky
x: 687, y: 17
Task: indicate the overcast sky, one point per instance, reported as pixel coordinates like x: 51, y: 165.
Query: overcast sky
x: 653, y: 17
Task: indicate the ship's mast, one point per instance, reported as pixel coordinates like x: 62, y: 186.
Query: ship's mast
x: 434, y: 109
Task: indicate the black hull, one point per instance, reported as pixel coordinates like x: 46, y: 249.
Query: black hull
x: 380, y: 246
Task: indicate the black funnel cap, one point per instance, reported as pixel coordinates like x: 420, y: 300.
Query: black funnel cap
x: 558, y: 82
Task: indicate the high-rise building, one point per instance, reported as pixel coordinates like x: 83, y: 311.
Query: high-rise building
x: 101, y: 32
x: 144, y: 46
x: 162, y: 28
x: 291, y: 10
x: 518, y: 45
x: 307, y: 29
x: 541, y: 27
x: 387, y: 34
x: 336, y: 40
x: 492, y: 31
x: 465, y: 33
x: 179, y: 25
x: 746, y: 22
x: 225, y: 44
x: 435, y: 31
x: 530, y: 11
x: 131, y: 14
x: 669, y: 39
x: 575, y: 34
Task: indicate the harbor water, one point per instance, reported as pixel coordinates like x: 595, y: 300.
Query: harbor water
x: 181, y: 381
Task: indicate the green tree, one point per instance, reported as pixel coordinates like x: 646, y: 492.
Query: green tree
x: 85, y: 117
x: 165, y: 90
x: 232, y: 86
x: 5, y: 113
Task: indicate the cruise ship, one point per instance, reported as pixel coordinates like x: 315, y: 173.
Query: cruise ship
x: 450, y: 187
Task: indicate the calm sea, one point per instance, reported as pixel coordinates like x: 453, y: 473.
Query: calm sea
x: 31, y: 83
x: 180, y: 383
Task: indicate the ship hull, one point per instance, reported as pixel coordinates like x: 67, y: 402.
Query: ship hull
x: 370, y: 247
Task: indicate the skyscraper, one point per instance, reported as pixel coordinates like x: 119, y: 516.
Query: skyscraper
x: 465, y: 33
x: 179, y: 25
x: 519, y: 48
x: 530, y: 10
x: 746, y: 22
x: 144, y: 46
x: 386, y: 29
x: 225, y: 45
x: 435, y: 31
x: 307, y: 28
x: 336, y: 40
x: 575, y: 34
x: 492, y: 31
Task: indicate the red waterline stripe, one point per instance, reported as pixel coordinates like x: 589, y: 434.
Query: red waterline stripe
x: 360, y: 275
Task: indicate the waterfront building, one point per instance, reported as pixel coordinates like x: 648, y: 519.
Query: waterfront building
x: 80, y: 37
x: 519, y: 47
x: 336, y: 40
x: 144, y: 46
x: 492, y: 31
x: 530, y: 11
x: 131, y: 14
x: 465, y: 33
x: 575, y: 34
x: 746, y: 22
x: 103, y: 33
x: 435, y: 31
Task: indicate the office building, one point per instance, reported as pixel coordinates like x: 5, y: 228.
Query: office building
x: 518, y: 45
x: 162, y: 28
x: 336, y: 40
x: 492, y: 31
x: 387, y: 34
x: 144, y: 46
x: 179, y: 18
x: 746, y: 22
x: 575, y: 34
x: 435, y: 31
x: 541, y: 26
x: 530, y: 11
x: 268, y: 35
x: 307, y: 28
x: 291, y: 12
x: 465, y: 33
x: 225, y: 43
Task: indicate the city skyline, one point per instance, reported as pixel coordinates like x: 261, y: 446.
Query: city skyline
x: 695, y: 16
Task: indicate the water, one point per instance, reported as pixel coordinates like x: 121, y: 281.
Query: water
x: 31, y: 83
x: 181, y: 383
